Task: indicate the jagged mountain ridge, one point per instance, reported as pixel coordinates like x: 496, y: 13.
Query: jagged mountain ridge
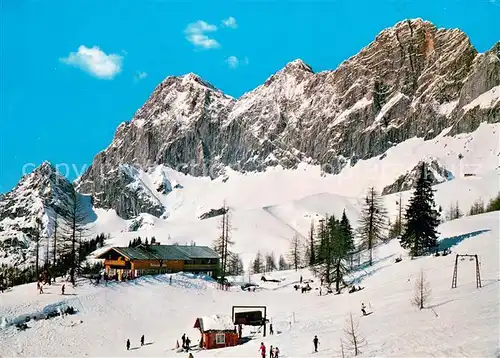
x: 39, y: 196
x: 412, y: 80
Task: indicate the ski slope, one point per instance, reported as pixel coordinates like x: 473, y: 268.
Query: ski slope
x: 458, y: 322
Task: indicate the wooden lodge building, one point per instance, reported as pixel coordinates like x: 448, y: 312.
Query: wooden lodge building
x: 153, y: 259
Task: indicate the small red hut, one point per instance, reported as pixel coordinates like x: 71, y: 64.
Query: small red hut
x: 217, y: 331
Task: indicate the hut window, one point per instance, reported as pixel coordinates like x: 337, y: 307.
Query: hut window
x: 220, y: 338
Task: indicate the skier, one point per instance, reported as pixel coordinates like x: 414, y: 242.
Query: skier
x: 188, y: 342
x: 262, y: 350
x: 128, y: 344
x: 316, y: 342
x: 276, y: 352
x: 63, y: 288
x: 183, y: 341
x: 363, y: 309
x: 271, y: 331
x: 142, y: 340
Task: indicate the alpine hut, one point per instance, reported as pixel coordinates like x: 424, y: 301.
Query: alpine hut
x: 217, y: 331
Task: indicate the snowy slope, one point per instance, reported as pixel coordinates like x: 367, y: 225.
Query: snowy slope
x: 269, y: 208
x: 458, y: 322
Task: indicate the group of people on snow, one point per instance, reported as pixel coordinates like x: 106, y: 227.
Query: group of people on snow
x: 128, y: 342
x: 273, y: 351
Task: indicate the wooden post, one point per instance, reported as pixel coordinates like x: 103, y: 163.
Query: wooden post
x: 454, y: 280
x: 478, y: 274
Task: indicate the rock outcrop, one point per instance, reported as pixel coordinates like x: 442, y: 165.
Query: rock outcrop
x: 31, y: 208
x: 436, y: 172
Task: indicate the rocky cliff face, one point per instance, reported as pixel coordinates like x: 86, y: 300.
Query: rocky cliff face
x: 39, y: 196
x: 436, y: 172
x: 412, y: 80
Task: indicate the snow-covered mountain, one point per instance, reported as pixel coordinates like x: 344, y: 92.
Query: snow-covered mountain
x: 299, y: 146
x: 412, y: 80
x: 39, y: 196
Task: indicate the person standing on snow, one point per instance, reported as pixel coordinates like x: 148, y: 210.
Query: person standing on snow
x: 316, y: 342
x: 188, y: 342
x: 276, y: 352
x: 183, y: 341
x: 128, y: 344
x: 271, y: 331
x: 363, y: 309
x: 271, y: 350
x: 63, y: 288
x: 142, y: 340
x: 262, y: 350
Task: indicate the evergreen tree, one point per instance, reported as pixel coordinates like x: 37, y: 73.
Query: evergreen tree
x: 270, y: 262
x: 312, y: 252
x: 421, y: 217
x: 282, y: 263
x: 336, y: 242
x: 372, y: 222
x: 258, y: 264
x: 295, y: 255
x: 477, y: 207
x: 494, y: 204
x: 146, y: 242
x: 235, y: 265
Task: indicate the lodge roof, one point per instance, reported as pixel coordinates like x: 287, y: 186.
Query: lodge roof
x: 215, y: 323
x: 163, y: 252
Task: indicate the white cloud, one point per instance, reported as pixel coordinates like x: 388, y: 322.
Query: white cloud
x: 196, y: 33
x: 232, y: 61
x: 230, y: 22
x: 140, y: 76
x: 95, y: 61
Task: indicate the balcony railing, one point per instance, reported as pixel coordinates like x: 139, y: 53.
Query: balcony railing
x: 115, y: 262
x: 200, y: 267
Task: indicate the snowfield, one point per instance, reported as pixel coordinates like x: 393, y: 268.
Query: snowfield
x: 458, y: 322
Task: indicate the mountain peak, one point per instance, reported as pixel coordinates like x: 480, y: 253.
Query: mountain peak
x: 298, y: 65
x: 197, y: 80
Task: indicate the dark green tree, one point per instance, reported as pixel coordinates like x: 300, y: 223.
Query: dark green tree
x: 312, y: 251
x: 421, y: 217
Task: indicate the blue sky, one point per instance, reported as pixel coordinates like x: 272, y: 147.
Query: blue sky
x: 71, y: 71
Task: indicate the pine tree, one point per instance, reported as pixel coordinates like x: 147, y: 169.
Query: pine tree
x: 282, y: 263
x: 372, y: 222
x: 270, y: 262
x: 295, y: 255
x: 421, y: 217
x: 258, y: 265
x: 312, y: 251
